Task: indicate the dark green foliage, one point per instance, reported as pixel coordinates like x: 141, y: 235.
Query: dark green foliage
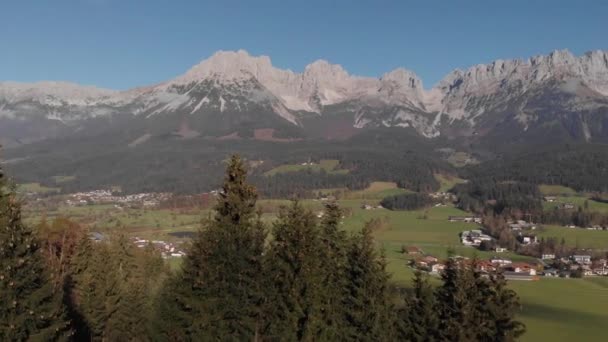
x: 333, y: 244
x: 485, y: 194
x: 113, y: 284
x: 579, y: 166
x: 218, y: 293
x: 419, y: 320
x: 453, y: 303
x: 366, y: 304
x: 31, y: 308
x: 295, y: 300
x: 476, y: 307
x: 406, y: 201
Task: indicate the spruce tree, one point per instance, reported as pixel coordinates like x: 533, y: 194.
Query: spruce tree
x: 333, y: 274
x: 31, y: 308
x: 218, y: 293
x: 453, y: 303
x: 419, y: 320
x: 294, y: 269
x: 366, y: 303
x: 499, y: 308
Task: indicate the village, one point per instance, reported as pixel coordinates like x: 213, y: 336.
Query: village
x: 112, y: 197
x: 165, y: 248
x: 573, y: 265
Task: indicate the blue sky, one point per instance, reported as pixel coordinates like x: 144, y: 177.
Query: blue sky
x: 125, y: 43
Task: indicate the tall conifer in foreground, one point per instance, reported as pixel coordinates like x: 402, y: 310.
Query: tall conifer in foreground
x: 367, y: 307
x: 30, y: 306
x: 419, y: 319
x: 294, y: 271
x: 333, y: 242
x: 218, y: 293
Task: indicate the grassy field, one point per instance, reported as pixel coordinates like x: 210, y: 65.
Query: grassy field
x: 578, y: 201
x: 577, y: 237
x: 564, y: 309
x: 63, y: 179
x: 555, y: 190
x: 448, y: 182
x: 377, y: 191
x: 328, y: 165
x: 36, y: 188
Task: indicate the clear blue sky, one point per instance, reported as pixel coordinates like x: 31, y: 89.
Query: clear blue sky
x: 125, y: 43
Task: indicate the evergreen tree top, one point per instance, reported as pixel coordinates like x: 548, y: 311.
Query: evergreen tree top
x: 236, y: 201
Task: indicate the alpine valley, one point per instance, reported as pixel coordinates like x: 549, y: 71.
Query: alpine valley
x: 236, y: 102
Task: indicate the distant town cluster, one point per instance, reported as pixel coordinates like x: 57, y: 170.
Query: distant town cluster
x: 109, y: 197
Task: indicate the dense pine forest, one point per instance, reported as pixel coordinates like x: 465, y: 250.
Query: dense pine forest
x: 298, y: 279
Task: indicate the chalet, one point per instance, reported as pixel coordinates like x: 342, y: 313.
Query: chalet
x: 601, y: 271
x: 581, y: 259
x: 437, y: 268
x: 429, y: 259
x: 521, y: 225
x: 547, y: 256
x: 521, y: 267
x: 474, y: 237
x: 565, y: 206
x: 413, y: 250
x: 528, y: 240
x: 467, y: 219
x: 500, y: 261
x: 550, y: 272
x: 485, y: 265
x: 426, y: 261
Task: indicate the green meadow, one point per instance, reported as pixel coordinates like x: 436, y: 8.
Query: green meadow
x: 577, y: 237
x: 328, y: 165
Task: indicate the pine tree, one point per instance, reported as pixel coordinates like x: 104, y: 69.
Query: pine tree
x: 454, y: 305
x: 31, y: 308
x: 333, y: 273
x: 366, y: 303
x: 499, y: 307
x: 294, y: 267
x: 219, y: 292
x: 78, y: 284
x: 419, y: 320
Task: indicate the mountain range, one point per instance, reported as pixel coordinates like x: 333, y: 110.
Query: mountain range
x: 233, y: 95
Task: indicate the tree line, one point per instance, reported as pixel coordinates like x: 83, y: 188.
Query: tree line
x: 411, y: 201
x: 299, y: 279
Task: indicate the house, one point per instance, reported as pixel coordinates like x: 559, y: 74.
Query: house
x: 485, y: 265
x: 500, y: 261
x: 367, y: 207
x: 550, y: 272
x: 467, y: 219
x: 550, y: 198
x: 413, y: 250
x: 521, y: 267
x: 582, y: 259
x: 547, y: 256
x: 500, y: 249
x: 528, y: 240
x: 437, y: 268
x: 565, y: 206
x: 474, y: 237
x: 429, y: 259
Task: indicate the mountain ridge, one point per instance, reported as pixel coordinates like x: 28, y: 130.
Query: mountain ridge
x: 472, y: 100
